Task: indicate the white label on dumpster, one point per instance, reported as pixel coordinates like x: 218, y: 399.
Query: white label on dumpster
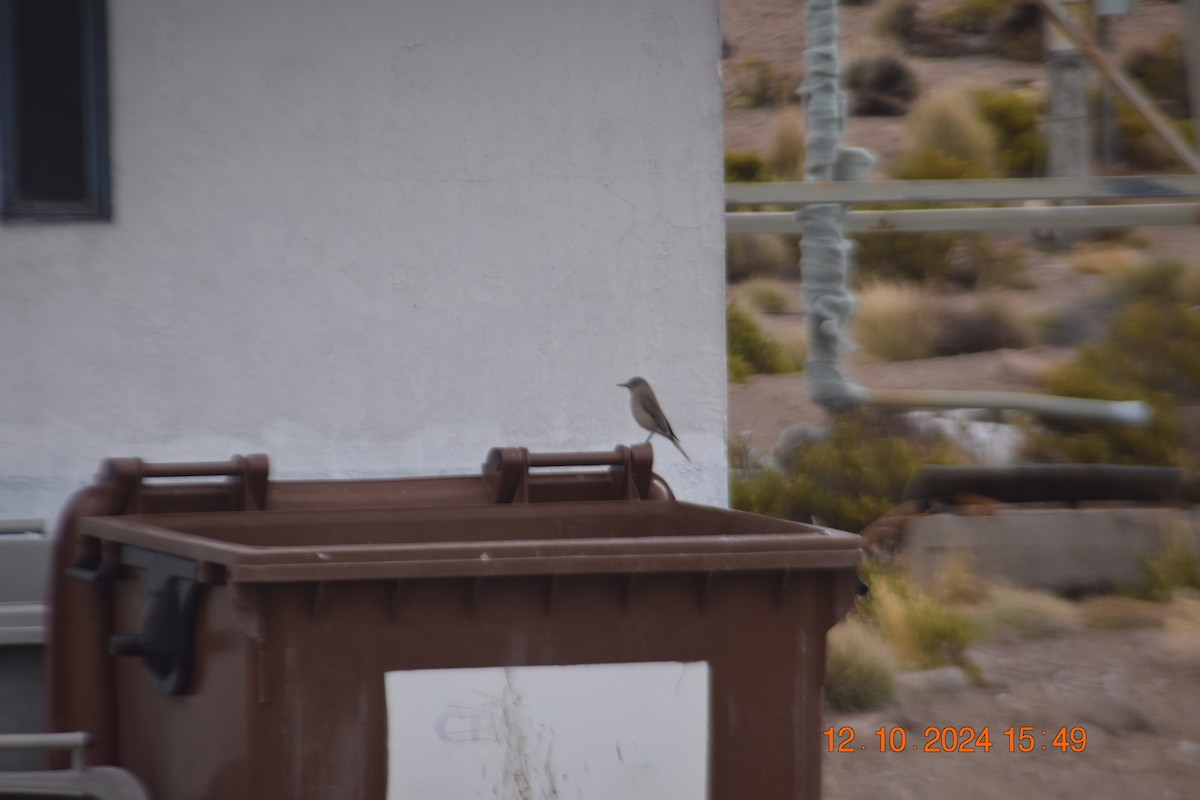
x: 630, y: 731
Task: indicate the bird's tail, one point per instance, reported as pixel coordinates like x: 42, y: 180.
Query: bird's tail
x: 675, y: 441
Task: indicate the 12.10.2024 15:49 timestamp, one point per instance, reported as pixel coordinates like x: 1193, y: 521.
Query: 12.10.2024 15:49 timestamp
x: 935, y: 739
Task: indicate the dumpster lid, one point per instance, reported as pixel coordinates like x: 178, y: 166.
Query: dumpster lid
x: 393, y: 543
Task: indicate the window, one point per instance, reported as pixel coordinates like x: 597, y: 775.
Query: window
x: 53, y: 110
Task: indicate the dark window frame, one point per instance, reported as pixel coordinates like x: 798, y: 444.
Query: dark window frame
x: 95, y: 201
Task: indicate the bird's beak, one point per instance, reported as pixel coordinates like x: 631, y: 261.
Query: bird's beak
x: 626, y: 385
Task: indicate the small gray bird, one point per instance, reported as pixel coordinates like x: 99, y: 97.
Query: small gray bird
x: 648, y: 413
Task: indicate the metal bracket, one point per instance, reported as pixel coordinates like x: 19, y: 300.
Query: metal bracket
x: 166, y: 642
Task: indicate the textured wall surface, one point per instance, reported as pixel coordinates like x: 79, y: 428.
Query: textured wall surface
x: 374, y: 238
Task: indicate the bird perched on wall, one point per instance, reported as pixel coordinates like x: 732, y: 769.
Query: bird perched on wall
x: 648, y: 413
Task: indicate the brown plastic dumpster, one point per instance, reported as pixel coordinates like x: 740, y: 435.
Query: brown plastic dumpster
x: 249, y: 648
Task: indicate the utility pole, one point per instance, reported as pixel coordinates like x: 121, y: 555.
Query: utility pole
x: 1068, y: 123
x: 1106, y: 10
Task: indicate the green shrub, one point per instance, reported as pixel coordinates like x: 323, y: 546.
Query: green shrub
x: 749, y: 348
x: 1159, y: 68
x: 1140, y: 147
x: 1172, y: 569
x: 931, y: 164
x: 860, y: 672
x: 1151, y: 352
x: 1152, y: 347
x: 1157, y: 279
x: 848, y: 479
x: 924, y: 631
x: 744, y: 166
x: 904, y: 257
x: 1013, y: 117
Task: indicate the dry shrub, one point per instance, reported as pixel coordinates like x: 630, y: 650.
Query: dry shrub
x: 1181, y: 634
x: 764, y: 294
x: 987, y: 323
x: 973, y: 16
x: 957, y: 580
x: 785, y: 159
x: 1032, y: 614
x: 860, y: 672
x: 1118, y: 612
x: 1019, y: 33
x: 795, y: 348
x: 979, y: 263
x: 896, y: 20
x: 894, y: 323
x: 880, y: 85
x: 1104, y: 258
x: 947, y: 123
x: 902, y: 21
x: 749, y: 255
x: 1187, y: 285
x: 758, y: 83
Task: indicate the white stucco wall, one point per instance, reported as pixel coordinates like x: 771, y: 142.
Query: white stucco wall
x: 378, y: 238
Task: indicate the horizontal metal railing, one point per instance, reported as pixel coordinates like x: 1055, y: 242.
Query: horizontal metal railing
x: 1143, y: 187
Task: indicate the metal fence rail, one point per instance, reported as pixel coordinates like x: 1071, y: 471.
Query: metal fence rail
x: 1145, y: 187
x: 977, y: 219
x: 948, y: 191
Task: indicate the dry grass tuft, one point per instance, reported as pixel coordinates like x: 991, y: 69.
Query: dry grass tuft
x: 861, y: 671
x: 958, y: 581
x: 894, y: 323
x: 785, y: 158
x: 948, y: 123
x: 924, y: 631
x: 1030, y: 613
x: 764, y: 294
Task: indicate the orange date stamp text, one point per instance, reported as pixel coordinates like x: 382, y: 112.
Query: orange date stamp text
x: 965, y: 739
